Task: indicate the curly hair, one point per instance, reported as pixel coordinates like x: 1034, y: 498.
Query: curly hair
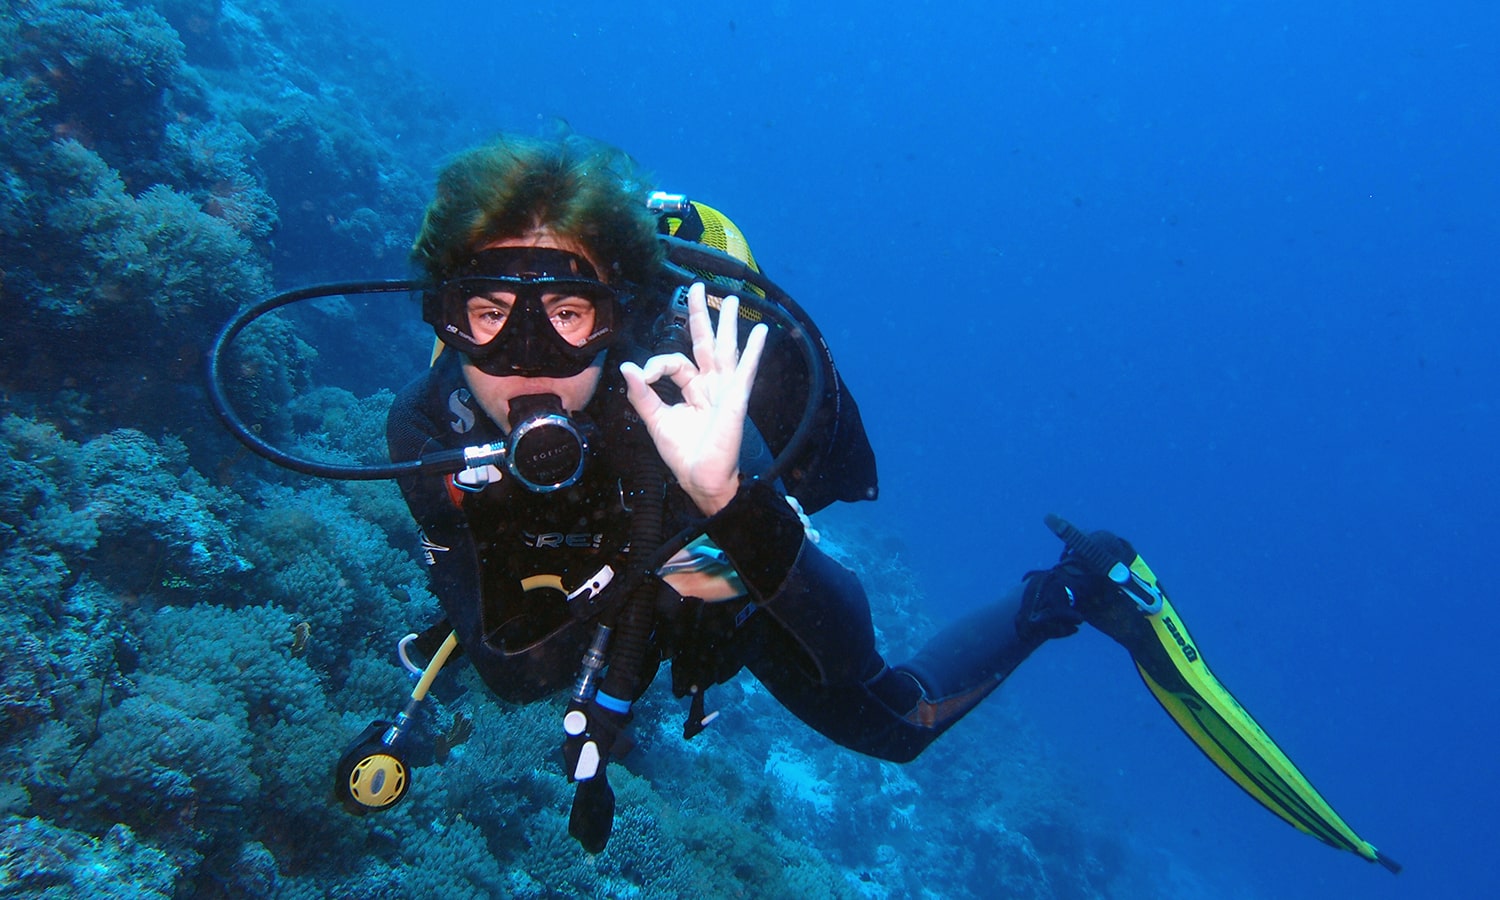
x: 574, y: 186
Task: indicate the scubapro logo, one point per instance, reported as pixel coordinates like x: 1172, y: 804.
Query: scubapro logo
x: 1187, y: 649
x: 458, y: 404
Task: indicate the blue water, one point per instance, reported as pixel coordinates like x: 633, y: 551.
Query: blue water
x: 1220, y: 277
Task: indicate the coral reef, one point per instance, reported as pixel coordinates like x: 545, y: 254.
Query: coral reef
x: 194, y: 638
x: 154, y: 176
x: 41, y: 859
x: 174, y: 697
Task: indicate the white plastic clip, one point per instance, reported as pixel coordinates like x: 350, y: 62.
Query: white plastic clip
x: 588, y: 762
x: 807, y: 525
x: 406, y: 662
x: 594, y: 585
x: 477, y: 479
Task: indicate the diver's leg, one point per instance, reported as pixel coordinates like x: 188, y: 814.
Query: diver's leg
x: 900, y: 710
x: 971, y: 656
x: 967, y: 659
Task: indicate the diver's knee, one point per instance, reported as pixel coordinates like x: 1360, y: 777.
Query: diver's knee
x: 898, y: 690
x: 922, y: 703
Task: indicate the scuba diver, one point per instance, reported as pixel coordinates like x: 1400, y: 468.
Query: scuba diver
x: 600, y: 489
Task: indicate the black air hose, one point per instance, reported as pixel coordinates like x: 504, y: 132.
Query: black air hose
x: 646, y: 496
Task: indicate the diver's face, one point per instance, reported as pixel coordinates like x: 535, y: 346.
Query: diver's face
x: 494, y: 392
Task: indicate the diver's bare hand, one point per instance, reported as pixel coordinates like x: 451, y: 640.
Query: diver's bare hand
x: 699, y: 438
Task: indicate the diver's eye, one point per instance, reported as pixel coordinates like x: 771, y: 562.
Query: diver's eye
x: 571, y: 317
x: 487, y: 316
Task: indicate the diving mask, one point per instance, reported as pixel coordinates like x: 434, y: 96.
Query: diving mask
x: 528, y: 311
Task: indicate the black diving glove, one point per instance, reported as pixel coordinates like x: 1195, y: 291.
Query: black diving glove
x: 1056, y: 601
x: 1103, y: 585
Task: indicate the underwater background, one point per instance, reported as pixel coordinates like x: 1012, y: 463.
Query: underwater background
x: 1218, y: 277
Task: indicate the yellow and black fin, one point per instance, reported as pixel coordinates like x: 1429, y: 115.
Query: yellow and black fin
x: 1171, y: 664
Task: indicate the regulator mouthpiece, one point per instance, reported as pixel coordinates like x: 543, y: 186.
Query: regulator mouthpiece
x: 546, y: 449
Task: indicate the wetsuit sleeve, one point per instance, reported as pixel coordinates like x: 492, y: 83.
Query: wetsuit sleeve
x: 817, y: 602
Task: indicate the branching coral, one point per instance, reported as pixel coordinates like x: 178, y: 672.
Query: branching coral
x: 40, y: 859
x: 146, y: 276
x: 142, y: 493
x: 107, y: 69
x: 140, y: 192
x: 339, y: 427
x: 329, y: 565
x: 121, y: 499
x: 120, y: 254
x: 169, y: 760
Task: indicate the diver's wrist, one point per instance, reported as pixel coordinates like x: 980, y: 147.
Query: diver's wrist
x: 761, y: 534
x: 711, y: 503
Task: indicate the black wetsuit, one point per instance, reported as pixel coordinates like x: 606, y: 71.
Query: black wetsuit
x: 502, y: 559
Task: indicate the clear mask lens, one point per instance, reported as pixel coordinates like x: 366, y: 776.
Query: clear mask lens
x: 525, y: 311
